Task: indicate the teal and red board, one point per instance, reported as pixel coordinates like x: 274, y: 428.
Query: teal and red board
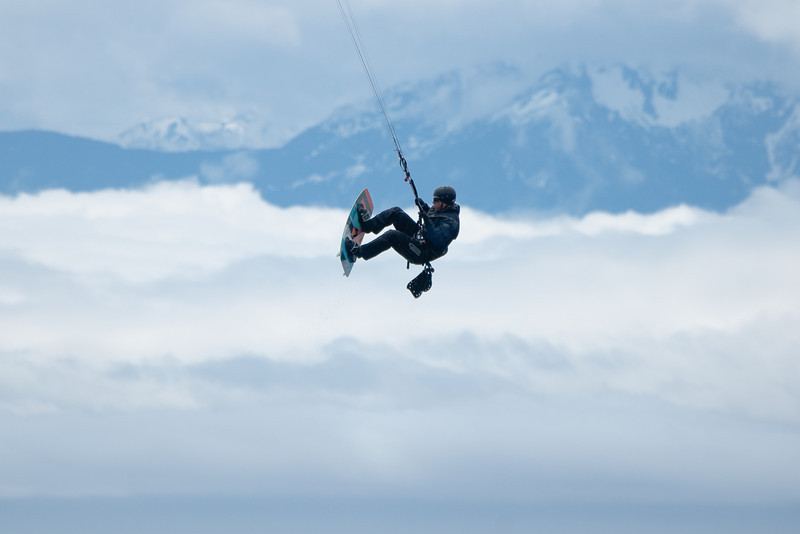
x: 352, y: 228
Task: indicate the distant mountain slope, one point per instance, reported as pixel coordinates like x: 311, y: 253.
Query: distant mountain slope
x: 35, y: 160
x: 176, y: 134
x: 577, y: 140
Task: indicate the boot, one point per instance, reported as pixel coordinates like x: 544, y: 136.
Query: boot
x: 352, y: 250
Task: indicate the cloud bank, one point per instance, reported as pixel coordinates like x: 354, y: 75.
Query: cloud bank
x: 551, y: 352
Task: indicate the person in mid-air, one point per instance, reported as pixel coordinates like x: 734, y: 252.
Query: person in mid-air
x: 440, y: 225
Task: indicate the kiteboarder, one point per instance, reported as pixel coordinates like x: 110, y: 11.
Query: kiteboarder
x: 440, y: 226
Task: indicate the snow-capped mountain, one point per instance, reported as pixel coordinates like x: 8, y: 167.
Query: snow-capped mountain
x: 178, y: 134
x: 573, y: 140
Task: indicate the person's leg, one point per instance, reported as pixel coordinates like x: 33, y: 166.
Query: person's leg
x: 400, y: 242
x: 393, y: 216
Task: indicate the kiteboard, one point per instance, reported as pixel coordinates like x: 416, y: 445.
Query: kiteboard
x: 352, y: 229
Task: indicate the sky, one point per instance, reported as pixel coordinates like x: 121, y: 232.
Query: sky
x: 99, y: 68
x: 189, y: 358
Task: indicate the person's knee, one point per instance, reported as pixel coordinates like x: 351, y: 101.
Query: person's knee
x: 394, y: 213
x: 380, y: 221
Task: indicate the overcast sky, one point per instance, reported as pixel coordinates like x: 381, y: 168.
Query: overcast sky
x: 98, y: 68
x: 177, y: 340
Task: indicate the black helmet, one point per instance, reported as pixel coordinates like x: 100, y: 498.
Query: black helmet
x: 445, y: 193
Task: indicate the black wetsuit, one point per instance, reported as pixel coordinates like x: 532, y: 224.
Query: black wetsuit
x: 439, y: 229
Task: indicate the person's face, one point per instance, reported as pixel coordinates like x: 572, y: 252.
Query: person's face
x: 437, y: 204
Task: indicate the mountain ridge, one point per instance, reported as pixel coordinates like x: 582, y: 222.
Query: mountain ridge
x: 576, y: 140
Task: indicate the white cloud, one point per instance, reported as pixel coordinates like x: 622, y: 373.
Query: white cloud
x: 772, y: 20
x: 186, y: 307
x: 175, y: 256
x: 354, y: 171
x: 169, y: 229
